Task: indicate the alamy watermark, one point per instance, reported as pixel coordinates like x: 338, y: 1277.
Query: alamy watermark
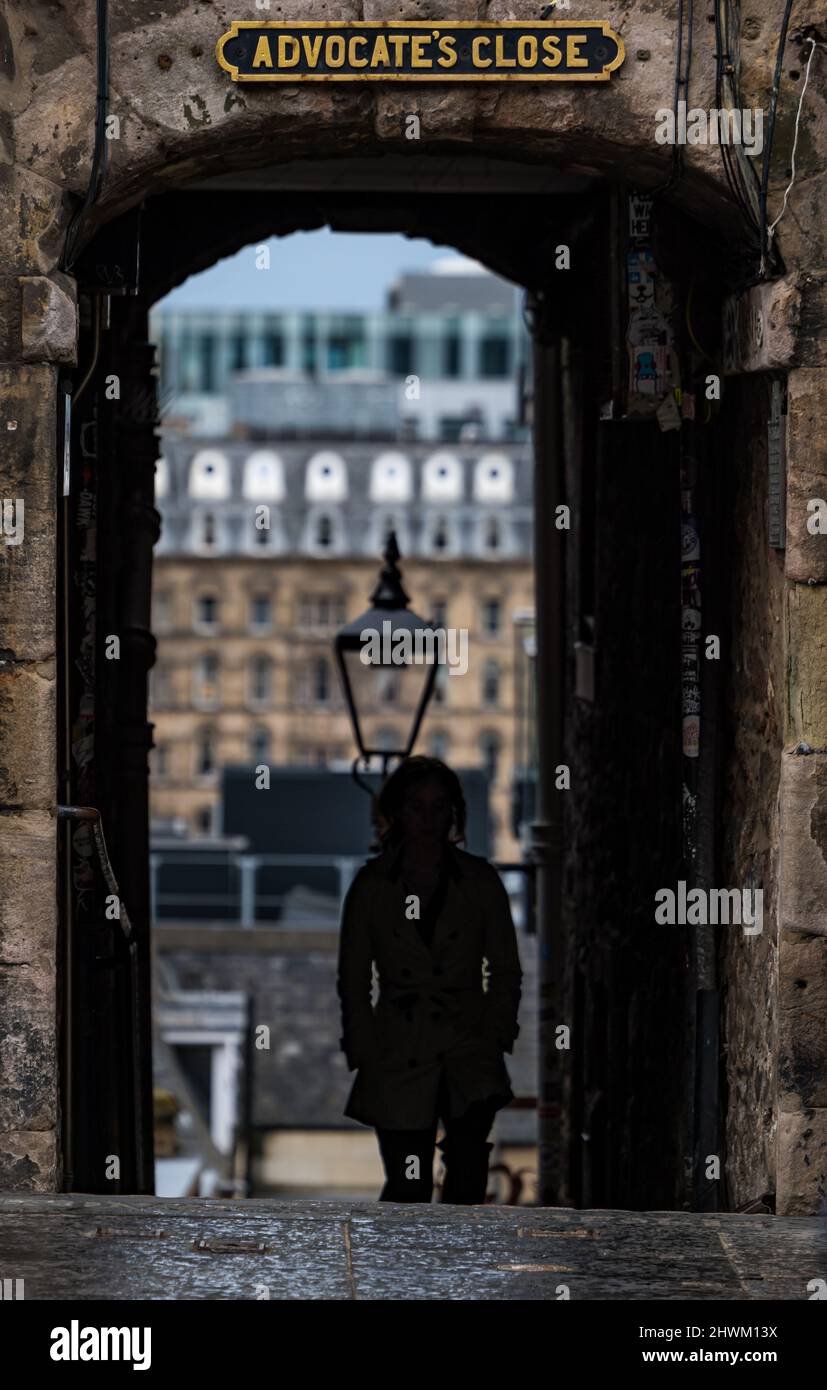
x: 447, y: 646
x: 702, y: 907
x: 696, y: 126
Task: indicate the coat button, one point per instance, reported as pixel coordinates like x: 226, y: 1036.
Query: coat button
x: 406, y: 972
x: 409, y: 1018
x: 440, y: 1056
x: 412, y: 1062
x: 453, y: 936
x: 437, y: 969
x: 436, y: 1017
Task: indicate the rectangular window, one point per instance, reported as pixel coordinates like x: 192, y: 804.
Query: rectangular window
x: 206, y: 357
x: 261, y: 611
x: 238, y: 353
x: 273, y: 350
x: 345, y: 350
x: 491, y: 617
x: 400, y: 356
x: 206, y: 610
x: 451, y: 356
x: 494, y: 357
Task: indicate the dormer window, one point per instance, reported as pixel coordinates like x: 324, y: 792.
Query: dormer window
x: 326, y: 478
x: 390, y: 478
x: 264, y: 477
x: 494, y: 478
x: 210, y: 475
x: 442, y: 478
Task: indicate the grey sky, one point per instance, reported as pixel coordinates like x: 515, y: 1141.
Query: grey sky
x: 309, y: 270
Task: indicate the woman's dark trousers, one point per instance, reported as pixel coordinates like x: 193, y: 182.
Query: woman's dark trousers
x: 408, y: 1157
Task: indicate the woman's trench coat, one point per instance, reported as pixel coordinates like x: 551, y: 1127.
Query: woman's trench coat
x: 433, y: 1014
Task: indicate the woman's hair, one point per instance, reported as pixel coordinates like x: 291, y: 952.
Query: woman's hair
x: 411, y: 773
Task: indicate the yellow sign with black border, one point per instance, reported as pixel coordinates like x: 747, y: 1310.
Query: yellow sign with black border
x: 420, y: 51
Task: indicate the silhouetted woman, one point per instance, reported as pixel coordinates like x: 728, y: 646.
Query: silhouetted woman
x: 426, y: 914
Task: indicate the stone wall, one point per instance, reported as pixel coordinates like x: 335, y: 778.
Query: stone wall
x: 181, y: 118
x: 755, y: 693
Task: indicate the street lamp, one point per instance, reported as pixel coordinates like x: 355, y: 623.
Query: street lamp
x: 387, y: 660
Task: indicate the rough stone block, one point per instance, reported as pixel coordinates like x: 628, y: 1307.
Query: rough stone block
x: 29, y: 1161
x: 802, y: 1163
x: 27, y: 734
x: 807, y: 664
x: 28, y: 878
x: 33, y: 220
x: 49, y: 319
x: 760, y: 328
x: 803, y: 857
x: 28, y: 1051
x: 9, y: 317
x: 802, y: 1010
x: 27, y: 470
x: 806, y: 556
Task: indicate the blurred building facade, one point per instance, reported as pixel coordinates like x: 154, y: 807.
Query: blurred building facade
x: 270, y: 541
x: 457, y: 331
x: 244, y: 617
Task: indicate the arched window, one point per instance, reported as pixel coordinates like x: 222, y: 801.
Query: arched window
x: 320, y: 682
x: 491, y: 684
x: 264, y: 477
x: 159, y: 761
x: 261, y: 613
x: 210, y: 475
x: 206, y: 681
x: 438, y: 744
x: 261, y: 534
x: 388, y: 686
x: 440, y: 685
x: 205, y: 615
x: 494, y: 478
x: 440, y: 536
x: 390, y: 478
x: 260, y: 745
x: 490, y: 745
x: 442, y: 478
x: 160, y: 687
x: 491, y: 617
x: 326, y: 478
x: 491, y: 538
x: 261, y: 680
x: 324, y: 532
x: 205, y: 753
x: 161, y: 477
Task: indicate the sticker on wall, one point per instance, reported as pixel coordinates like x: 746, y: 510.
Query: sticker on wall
x: 691, y: 735
x: 640, y: 217
x: 420, y: 51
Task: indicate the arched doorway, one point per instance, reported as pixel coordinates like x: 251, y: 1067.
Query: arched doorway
x: 562, y: 246
x: 196, y: 127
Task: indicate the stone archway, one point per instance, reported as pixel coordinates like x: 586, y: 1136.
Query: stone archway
x: 181, y: 120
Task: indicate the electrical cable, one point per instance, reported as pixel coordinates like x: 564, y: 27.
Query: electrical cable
x: 765, y: 170
x: 99, y: 157
x: 787, y: 190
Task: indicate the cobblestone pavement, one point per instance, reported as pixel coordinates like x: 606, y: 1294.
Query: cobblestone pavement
x: 91, y: 1247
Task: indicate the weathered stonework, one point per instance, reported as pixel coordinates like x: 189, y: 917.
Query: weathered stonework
x: 182, y: 119
x: 806, y: 474
x: 48, y: 319
x: 803, y: 905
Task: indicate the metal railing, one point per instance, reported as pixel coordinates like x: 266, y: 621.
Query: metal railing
x: 244, y: 901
